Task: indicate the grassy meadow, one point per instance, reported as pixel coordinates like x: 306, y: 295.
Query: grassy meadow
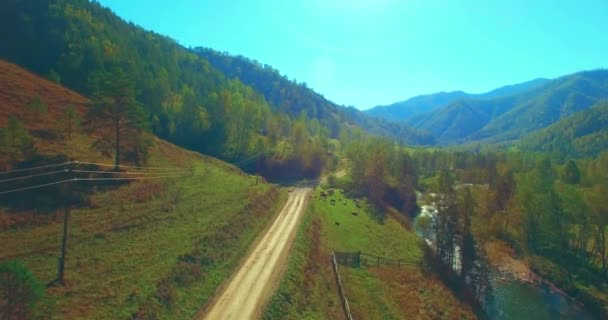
x: 130, y: 239
x: 309, y: 290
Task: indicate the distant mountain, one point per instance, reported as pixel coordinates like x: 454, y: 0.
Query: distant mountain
x: 404, y: 110
x: 400, y: 111
x: 512, y: 89
x: 295, y: 99
x: 583, y: 134
x: 546, y: 105
x: 508, y: 118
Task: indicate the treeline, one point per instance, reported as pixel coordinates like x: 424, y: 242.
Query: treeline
x: 296, y: 98
x: 382, y: 171
x: 583, y: 134
x: 554, y: 214
x: 454, y: 253
x: 176, y: 94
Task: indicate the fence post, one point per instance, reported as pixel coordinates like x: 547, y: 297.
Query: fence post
x: 334, y: 265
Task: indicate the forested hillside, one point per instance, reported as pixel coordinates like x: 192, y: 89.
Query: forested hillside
x: 296, y: 98
x: 183, y: 98
x: 129, y: 227
x: 548, y: 104
x: 583, y: 134
x: 510, y: 117
x: 405, y: 110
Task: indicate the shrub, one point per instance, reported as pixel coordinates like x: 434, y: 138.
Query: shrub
x: 187, y: 273
x: 148, y: 310
x: 332, y: 181
x: 20, y: 291
x: 165, y: 292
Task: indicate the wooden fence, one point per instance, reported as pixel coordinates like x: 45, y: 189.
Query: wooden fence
x: 359, y: 259
x: 334, y: 264
x: 349, y: 259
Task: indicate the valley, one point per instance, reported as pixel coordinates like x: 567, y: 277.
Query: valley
x: 155, y: 165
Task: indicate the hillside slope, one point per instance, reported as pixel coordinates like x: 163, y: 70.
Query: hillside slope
x: 405, y: 110
x: 187, y: 100
x: 508, y: 118
x: 294, y: 99
x: 583, y: 134
x: 548, y: 104
x: 156, y: 248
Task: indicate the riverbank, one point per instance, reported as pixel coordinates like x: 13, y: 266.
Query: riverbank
x: 502, y: 257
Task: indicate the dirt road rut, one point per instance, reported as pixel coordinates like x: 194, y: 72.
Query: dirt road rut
x: 250, y: 288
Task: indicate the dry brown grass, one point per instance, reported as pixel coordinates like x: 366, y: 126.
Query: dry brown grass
x: 18, y: 87
x: 130, y: 236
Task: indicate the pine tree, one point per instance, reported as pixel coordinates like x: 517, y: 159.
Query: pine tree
x: 67, y: 125
x: 116, y: 116
x: 467, y: 250
x: 15, y: 141
x: 571, y: 174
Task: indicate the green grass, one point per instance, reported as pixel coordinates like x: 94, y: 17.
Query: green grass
x: 374, y: 293
x: 131, y: 238
x: 346, y: 232
x: 307, y: 290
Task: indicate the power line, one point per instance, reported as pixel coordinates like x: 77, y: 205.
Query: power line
x: 259, y: 154
x: 94, y: 179
x: 134, y: 178
x: 34, y: 175
x: 239, y: 163
x: 84, y: 163
x: 38, y: 186
x: 130, y: 173
x: 125, y: 166
x: 36, y: 168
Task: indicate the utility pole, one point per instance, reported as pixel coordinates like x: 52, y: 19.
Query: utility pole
x: 257, y: 171
x: 66, y: 216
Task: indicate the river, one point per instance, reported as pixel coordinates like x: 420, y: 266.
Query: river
x: 513, y: 299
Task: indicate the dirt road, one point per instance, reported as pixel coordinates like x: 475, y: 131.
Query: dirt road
x: 248, y: 291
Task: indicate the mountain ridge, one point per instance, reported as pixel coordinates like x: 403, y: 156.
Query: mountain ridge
x: 507, y: 114
x: 403, y: 110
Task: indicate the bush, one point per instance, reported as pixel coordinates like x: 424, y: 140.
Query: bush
x: 20, y: 291
x: 332, y: 181
x: 187, y: 273
x: 148, y: 310
x: 165, y: 292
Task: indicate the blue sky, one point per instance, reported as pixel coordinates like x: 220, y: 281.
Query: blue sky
x: 370, y: 52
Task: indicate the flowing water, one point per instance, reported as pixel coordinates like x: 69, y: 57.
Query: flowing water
x: 516, y: 300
